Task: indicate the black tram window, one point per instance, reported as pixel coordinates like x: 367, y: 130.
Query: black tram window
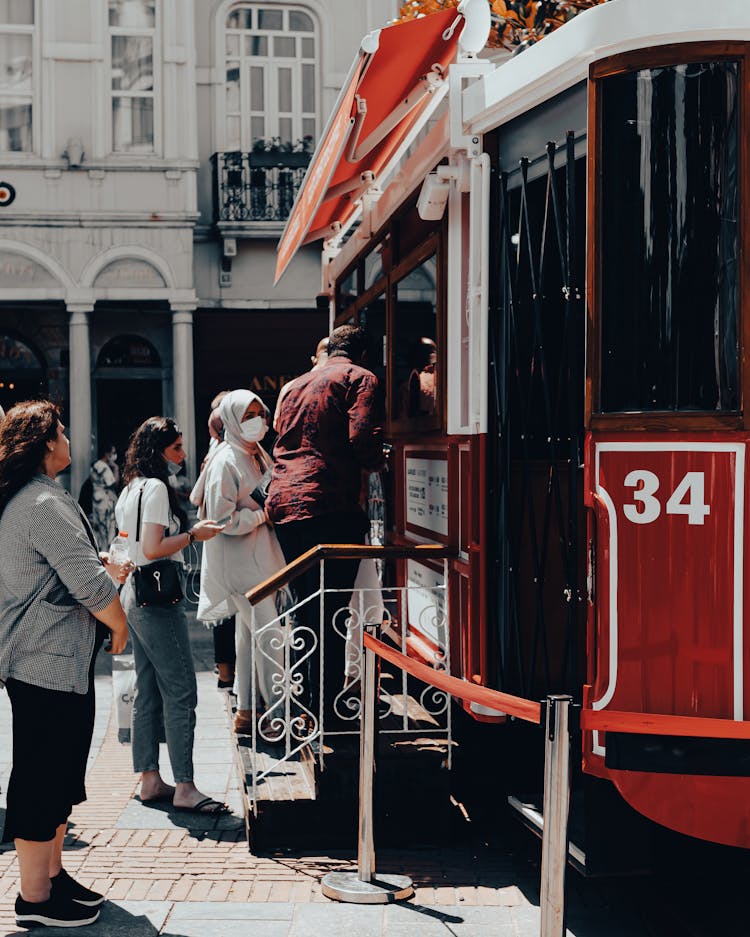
x: 415, y: 351
x: 669, y: 239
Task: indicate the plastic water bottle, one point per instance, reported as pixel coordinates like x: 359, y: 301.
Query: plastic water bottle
x: 118, y: 549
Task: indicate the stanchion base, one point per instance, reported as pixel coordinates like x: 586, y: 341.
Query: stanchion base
x: 385, y: 889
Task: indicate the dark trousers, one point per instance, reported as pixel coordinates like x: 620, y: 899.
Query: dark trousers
x: 51, y: 739
x: 224, y: 652
x: 295, y: 538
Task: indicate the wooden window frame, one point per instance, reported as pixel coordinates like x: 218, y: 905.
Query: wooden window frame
x: 663, y: 57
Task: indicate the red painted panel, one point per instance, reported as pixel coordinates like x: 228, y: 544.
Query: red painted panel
x: 667, y: 623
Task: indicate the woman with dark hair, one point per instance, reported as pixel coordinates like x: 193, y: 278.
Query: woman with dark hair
x: 54, y: 588
x: 149, y: 512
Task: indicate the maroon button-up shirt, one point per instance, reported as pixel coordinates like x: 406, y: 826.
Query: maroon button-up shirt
x: 329, y: 431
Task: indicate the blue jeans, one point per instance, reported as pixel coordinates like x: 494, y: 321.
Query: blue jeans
x: 165, y: 694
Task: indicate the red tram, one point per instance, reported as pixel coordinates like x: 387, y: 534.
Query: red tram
x: 550, y: 255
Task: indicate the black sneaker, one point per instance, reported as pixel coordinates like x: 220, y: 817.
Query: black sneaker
x: 55, y: 912
x: 65, y: 886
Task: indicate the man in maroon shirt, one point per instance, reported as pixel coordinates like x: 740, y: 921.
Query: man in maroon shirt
x: 329, y: 433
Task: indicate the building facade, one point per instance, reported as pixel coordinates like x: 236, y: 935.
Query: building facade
x: 150, y: 151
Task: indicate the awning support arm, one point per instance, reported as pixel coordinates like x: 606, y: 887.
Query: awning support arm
x: 425, y: 85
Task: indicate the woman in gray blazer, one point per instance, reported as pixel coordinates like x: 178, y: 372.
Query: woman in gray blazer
x: 55, y: 597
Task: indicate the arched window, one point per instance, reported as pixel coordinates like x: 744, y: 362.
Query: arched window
x: 128, y: 351
x: 270, y: 98
x: 23, y: 373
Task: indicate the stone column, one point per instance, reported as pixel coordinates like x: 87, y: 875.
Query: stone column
x: 80, y: 395
x: 184, y: 388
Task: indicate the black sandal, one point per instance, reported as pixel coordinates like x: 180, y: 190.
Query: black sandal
x: 216, y: 808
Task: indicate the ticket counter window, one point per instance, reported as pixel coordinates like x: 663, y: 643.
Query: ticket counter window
x: 415, y: 349
x: 669, y: 239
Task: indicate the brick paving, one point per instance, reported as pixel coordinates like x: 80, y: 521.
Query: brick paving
x: 155, y: 858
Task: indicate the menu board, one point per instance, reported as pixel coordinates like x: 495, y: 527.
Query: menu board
x: 427, y: 494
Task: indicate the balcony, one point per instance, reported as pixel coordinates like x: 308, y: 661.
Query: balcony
x: 254, y: 192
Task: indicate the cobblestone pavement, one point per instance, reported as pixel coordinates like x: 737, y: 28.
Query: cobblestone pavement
x: 182, y: 875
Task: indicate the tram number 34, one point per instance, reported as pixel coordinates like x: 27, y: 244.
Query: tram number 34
x: 687, y: 498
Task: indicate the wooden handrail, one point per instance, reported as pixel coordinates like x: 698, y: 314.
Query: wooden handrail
x: 345, y: 551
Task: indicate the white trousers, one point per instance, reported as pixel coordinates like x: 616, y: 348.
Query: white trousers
x: 268, y: 659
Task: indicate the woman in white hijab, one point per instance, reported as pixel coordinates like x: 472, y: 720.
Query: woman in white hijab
x: 246, y: 552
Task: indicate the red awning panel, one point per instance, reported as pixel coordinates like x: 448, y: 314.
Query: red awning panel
x: 387, y: 92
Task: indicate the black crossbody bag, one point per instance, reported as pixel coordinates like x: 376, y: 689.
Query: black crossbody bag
x: 157, y: 583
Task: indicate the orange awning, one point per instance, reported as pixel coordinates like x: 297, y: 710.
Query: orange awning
x: 386, y: 92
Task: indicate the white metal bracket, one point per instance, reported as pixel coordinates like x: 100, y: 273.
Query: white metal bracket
x: 460, y: 74
x: 368, y: 199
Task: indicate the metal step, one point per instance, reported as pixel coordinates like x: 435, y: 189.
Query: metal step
x: 531, y: 816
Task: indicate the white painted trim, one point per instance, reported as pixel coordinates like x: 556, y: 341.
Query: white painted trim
x: 44, y: 260
x: 128, y: 252
x: 738, y: 582
x: 564, y: 57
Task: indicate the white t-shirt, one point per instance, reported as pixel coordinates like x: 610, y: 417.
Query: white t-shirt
x: 154, y: 510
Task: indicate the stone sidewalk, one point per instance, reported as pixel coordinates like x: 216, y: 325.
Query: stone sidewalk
x: 178, y: 874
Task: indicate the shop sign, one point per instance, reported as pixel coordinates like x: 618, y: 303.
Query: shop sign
x: 17, y: 270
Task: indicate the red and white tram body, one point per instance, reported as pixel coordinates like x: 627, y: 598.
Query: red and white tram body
x: 564, y: 356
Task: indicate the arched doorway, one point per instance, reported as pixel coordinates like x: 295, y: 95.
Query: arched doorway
x: 23, y: 372
x: 128, y: 389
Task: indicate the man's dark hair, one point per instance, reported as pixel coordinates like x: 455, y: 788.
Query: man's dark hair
x: 348, y: 341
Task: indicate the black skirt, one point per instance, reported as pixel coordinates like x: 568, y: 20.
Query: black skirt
x: 52, y: 733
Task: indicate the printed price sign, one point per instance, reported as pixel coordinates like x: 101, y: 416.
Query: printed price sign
x: 427, y: 494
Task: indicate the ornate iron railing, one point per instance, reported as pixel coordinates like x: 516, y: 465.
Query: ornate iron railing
x: 256, y: 186
x: 292, y: 720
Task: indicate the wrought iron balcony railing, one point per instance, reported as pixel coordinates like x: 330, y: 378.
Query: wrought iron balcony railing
x: 251, y: 187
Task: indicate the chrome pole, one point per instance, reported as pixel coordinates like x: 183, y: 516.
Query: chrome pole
x: 361, y: 887
x: 556, y: 809
x: 366, y: 843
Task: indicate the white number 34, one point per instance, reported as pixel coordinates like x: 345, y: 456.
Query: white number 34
x: 688, y: 498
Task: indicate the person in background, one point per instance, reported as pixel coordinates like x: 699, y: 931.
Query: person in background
x: 247, y: 552
x: 165, y: 674
x: 57, y: 602
x: 222, y: 623
x: 330, y: 431
x: 105, y: 482
x: 318, y: 360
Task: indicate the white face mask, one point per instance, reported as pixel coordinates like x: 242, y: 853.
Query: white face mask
x: 173, y: 467
x: 254, y: 429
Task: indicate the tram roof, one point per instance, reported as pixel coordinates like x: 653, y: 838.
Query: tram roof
x: 563, y: 58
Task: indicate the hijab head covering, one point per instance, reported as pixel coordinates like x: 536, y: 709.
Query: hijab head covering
x: 231, y: 410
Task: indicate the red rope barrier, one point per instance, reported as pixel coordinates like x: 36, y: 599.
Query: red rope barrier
x: 659, y: 724
x: 524, y: 709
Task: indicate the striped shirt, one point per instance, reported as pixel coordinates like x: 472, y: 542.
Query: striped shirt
x: 51, y: 579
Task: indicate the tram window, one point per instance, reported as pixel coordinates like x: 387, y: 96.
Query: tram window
x: 346, y: 291
x: 373, y: 320
x: 669, y: 239
x: 415, y: 352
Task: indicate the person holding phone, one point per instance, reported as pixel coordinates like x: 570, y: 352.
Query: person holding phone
x: 57, y: 602
x: 148, y: 510
x: 232, y: 488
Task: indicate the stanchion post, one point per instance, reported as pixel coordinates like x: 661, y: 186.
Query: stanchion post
x: 366, y: 842
x: 556, y: 810
x: 362, y: 887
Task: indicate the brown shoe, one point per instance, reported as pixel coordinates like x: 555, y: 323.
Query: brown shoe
x: 243, y: 722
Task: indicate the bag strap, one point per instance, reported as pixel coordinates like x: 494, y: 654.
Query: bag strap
x: 138, y: 522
